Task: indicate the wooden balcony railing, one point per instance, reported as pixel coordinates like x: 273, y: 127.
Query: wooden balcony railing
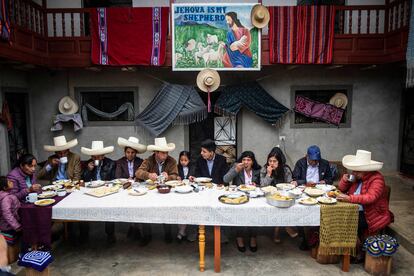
x: 369, y: 34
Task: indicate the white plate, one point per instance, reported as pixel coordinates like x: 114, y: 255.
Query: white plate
x: 96, y: 183
x: 47, y: 194
x: 235, y: 195
x: 326, y: 200
x: 304, y: 202
x: 325, y: 187
x: 246, y: 188
x: 183, y: 189
x: 48, y: 202
x: 138, y: 191
x: 61, y: 181
x: 285, y: 186
x: 202, y: 179
x: 52, y: 187
x: 173, y: 183
x: 256, y: 193
x: 314, y: 192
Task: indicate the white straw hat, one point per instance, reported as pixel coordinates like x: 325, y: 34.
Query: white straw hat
x: 97, y: 149
x: 132, y: 142
x: 361, y: 162
x: 339, y: 100
x: 160, y: 144
x: 260, y: 16
x: 68, y: 106
x: 60, y: 144
x: 208, y: 80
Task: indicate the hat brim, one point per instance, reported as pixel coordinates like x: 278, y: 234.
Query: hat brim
x: 68, y: 145
x: 102, y: 151
x: 200, y: 80
x: 350, y: 162
x: 73, y: 110
x: 167, y: 148
x: 257, y: 23
x: 122, y: 142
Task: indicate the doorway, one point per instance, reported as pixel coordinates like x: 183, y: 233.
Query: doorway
x: 18, y: 134
x: 221, y: 129
x: 407, y: 154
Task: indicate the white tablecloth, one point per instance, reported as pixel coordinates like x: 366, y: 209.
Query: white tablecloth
x: 201, y: 208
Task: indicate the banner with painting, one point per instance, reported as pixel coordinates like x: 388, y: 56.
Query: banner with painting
x: 218, y: 36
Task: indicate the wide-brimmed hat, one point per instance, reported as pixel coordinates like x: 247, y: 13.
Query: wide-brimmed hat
x: 208, y: 80
x: 68, y: 106
x: 260, y: 16
x: 339, y: 100
x: 160, y: 144
x: 361, y: 162
x: 60, y: 144
x: 132, y: 142
x: 97, y: 149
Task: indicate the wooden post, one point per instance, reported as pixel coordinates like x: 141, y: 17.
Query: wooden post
x: 202, y: 246
x: 217, y: 249
x: 346, y: 262
x: 378, y: 265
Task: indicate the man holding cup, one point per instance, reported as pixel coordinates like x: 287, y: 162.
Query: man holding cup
x: 64, y: 164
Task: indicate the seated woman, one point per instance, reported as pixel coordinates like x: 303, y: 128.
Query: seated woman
x: 10, y: 226
x: 245, y: 171
x: 369, y: 191
x: 23, y: 177
x: 276, y: 171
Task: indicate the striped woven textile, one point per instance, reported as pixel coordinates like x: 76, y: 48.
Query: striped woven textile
x: 301, y: 34
x: 4, y: 20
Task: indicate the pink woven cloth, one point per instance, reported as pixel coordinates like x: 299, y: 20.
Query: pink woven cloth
x: 324, y: 112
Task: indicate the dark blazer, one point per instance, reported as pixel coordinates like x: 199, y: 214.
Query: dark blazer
x: 237, y: 178
x: 107, y: 171
x: 299, y: 172
x: 181, y: 171
x: 220, y: 168
x: 122, y: 167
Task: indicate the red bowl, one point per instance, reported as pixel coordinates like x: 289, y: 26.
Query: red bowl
x: 164, y: 189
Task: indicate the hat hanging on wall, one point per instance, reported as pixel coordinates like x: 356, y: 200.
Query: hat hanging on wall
x: 260, y: 16
x: 208, y: 80
x: 68, y: 106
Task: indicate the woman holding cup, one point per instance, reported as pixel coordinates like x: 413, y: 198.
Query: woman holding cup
x: 23, y: 177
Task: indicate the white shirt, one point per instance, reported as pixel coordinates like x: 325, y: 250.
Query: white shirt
x: 185, y: 172
x: 312, y: 174
x: 131, y: 168
x: 358, y: 192
x: 247, y: 177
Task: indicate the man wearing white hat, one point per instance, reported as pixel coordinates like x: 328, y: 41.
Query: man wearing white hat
x: 160, y: 163
x: 64, y: 164
x: 366, y: 187
x: 128, y: 165
x: 100, y: 168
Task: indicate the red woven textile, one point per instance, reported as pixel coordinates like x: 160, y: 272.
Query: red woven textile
x: 129, y: 36
x: 301, y: 34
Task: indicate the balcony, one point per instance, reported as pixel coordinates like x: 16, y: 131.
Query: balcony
x: 59, y: 38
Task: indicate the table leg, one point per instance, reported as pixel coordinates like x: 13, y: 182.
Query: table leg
x: 346, y: 261
x: 217, y: 248
x: 202, y: 246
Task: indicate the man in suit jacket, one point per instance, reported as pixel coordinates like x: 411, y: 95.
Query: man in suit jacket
x: 63, y: 164
x: 312, y: 168
x: 129, y: 164
x: 210, y: 164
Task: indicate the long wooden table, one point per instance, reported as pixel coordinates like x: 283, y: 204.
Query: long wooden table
x: 201, y: 209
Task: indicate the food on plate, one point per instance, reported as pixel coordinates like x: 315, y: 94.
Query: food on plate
x: 308, y: 201
x: 333, y: 194
x: 202, y: 179
x: 44, y: 202
x: 280, y: 197
x: 314, y: 192
x: 285, y: 186
x: 52, y: 187
x: 103, y: 191
x: 47, y: 194
x: 246, y: 188
x: 270, y: 190
x: 138, y: 191
x: 295, y: 192
x: 173, y: 183
x: 326, y: 200
x: 230, y: 200
x: 325, y: 187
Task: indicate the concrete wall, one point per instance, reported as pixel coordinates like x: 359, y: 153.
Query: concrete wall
x: 9, y: 78
x: 50, y: 88
x: 374, y: 124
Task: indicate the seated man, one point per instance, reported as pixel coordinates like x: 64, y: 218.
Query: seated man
x: 312, y: 169
x: 126, y: 167
x: 160, y: 163
x: 210, y: 164
x: 368, y: 190
x: 99, y: 168
x: 64, y: 164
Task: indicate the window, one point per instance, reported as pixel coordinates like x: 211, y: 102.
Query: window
x: 99, y: 104
x: 320, y: 94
